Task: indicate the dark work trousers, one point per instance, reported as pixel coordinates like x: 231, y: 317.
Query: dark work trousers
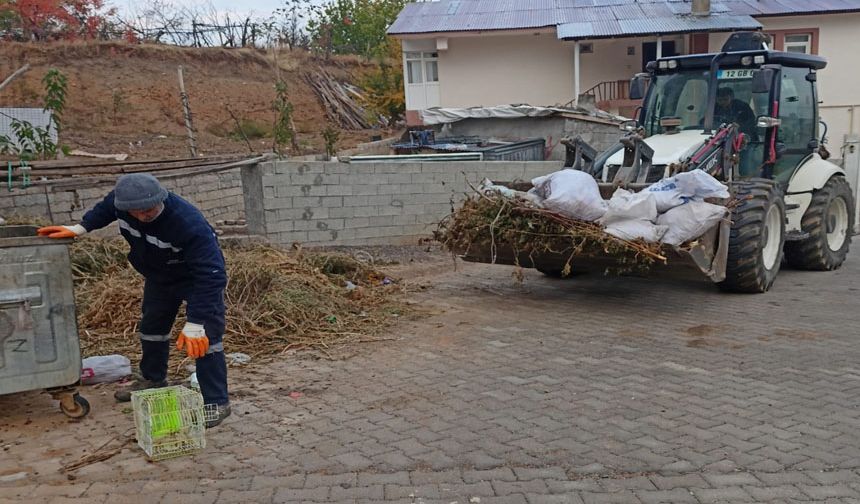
x: 160, y: 305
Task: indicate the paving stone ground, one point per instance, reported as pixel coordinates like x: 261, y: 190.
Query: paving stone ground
x: 588, y: 390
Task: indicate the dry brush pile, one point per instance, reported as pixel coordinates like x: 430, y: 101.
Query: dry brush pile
x: 489, y: 224
x: 276, y: 300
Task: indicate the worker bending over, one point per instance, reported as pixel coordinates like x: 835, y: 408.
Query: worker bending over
x: 177, y: 252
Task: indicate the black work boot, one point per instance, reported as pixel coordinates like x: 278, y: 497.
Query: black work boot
x: 124, y: 395
x: 216, y: 413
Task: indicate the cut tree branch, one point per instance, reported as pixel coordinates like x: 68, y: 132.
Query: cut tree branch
x: 12, y: 77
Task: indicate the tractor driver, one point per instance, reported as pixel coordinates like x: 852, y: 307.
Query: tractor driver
x: 730, y: 110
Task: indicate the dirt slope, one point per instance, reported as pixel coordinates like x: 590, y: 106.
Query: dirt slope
x: 125, y: 98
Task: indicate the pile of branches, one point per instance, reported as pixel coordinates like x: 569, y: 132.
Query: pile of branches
x: 339, y: 100
x: 490, y: 225
x: 276, y: 300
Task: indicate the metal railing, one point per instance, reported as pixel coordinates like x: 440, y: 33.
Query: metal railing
x: 610, y: 90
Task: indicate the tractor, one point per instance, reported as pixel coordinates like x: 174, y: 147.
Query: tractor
x: 749, y: 117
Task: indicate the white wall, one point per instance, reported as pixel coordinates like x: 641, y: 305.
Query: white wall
x: 492, y: 70
x: 610, y: 61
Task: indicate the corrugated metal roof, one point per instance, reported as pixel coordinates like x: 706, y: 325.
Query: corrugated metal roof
x: 648, y: 25
x: 480, y: 15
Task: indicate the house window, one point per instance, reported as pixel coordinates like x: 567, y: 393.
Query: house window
x: 432, y: 70
x: 802, y: 41
x: 414, y: 73
x: 422, y: 67
x: 798, y: 43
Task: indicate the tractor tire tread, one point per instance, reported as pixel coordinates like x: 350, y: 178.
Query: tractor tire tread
x: 745, y: 270
x: 814, y: 253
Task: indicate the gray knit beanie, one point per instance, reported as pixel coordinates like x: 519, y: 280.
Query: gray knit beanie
x: 138, y: 191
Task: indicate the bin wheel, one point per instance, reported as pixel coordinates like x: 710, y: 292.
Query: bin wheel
x: 74, y: 406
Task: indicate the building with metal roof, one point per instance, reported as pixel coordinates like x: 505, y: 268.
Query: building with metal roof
x: 466, y: 53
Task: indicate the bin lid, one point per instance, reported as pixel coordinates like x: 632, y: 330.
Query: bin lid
x: 24, y: 236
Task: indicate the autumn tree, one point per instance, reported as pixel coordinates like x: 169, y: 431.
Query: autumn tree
x: 354, y: 26
x: 52, y: 19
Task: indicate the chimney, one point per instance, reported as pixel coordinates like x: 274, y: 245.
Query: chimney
x: 701, y: 8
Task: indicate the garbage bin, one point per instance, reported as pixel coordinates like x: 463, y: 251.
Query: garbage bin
x: 39, y: 346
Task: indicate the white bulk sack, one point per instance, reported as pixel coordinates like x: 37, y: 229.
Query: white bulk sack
x: 626, y: 205
x: 633, y: 229
x: 631, y: 215
x: 488, y: 187
x: 683, y: 187
x: 572, y: 193
x: 104, y: 368
x: 690, y: 221
x: 700, y: 185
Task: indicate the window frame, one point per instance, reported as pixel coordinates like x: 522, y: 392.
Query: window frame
x: 422, y: 58
x: 778, y: 36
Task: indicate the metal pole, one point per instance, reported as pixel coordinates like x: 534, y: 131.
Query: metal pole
x: 186, y: 111
x: 659, y: 46
x: 576, y: 79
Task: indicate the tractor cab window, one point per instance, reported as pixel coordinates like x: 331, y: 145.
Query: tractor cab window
x: 797, y: 121
x: 685, y: 95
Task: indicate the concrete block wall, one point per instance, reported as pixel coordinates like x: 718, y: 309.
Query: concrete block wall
x: 218, y: 195
x: 330, y: 203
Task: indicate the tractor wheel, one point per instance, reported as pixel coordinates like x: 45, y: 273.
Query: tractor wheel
x: 757, y: 237
x: 829, y: 221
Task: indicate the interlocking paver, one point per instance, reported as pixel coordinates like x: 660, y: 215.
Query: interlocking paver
x: 775, y: 493
x: 596, y: 389
x: 826, y: 491
x: 723, y: 494
x: 677, y: 495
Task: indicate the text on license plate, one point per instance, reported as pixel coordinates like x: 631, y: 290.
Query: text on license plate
x: 743, y: 73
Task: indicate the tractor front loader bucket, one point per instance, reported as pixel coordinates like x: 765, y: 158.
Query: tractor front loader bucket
x: 704, y: 257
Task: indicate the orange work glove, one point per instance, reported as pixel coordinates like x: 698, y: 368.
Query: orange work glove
x: 193, y: 337
x: 62, y: 231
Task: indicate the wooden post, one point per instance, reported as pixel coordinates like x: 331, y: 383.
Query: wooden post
x: 186, y: 111
x: 14, y: 75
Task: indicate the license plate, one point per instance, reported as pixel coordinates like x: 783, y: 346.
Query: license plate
x: 742, y: 73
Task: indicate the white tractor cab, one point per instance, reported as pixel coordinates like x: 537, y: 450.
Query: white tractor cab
x: 749, y: 117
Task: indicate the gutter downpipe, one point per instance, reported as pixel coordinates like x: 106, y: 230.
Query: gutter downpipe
x: 712, y: 93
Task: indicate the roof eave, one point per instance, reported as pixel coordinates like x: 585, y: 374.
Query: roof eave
x: 468, y: 33
x: 672, y: 32
x: 809, y: 13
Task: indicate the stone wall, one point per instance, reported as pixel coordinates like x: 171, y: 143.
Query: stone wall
x: 330, y: 203
x: 218, y: 195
